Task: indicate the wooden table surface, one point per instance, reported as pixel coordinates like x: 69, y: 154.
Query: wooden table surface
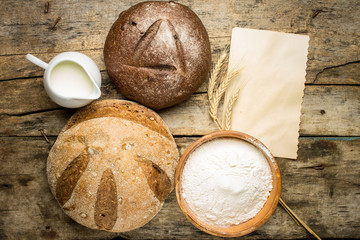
x: 322, y: 185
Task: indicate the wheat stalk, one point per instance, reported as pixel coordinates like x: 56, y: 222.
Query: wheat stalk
x: 219, y: 93
x: 228, y: 110
x: 297, y: 219
x: 216, y: 76
x: 218, y: 71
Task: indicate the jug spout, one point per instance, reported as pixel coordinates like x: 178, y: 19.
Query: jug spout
x: 72, y: 80
x: 95, y: 94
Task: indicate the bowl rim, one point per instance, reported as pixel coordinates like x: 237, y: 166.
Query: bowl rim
x: 243, y: 228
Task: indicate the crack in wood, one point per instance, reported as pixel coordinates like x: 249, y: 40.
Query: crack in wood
x: 30, y: 113
x: 320, y: 166
x: 47, y: 53
x: 332, y: 67
x: 332, y: 179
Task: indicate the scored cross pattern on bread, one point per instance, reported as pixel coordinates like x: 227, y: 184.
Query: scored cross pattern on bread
x: 169, y: 54
x: 157, y: 53
x: 113, y: 165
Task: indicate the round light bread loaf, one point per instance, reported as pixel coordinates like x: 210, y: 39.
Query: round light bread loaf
x: 112, y: 166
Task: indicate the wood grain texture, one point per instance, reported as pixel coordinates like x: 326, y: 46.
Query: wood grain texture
x: 332, y: 27
x: 326, y: 111
x: 322, y: 186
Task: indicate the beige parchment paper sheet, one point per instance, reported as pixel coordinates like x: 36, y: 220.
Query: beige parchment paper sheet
x: 271, y: 81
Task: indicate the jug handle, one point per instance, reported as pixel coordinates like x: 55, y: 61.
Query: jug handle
x: 36, y: 61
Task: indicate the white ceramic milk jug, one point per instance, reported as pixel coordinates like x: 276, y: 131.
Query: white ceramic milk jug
x: 71, y: 79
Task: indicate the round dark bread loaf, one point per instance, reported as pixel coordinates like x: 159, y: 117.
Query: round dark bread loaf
x: 157, y: 53
x: 112, y: 165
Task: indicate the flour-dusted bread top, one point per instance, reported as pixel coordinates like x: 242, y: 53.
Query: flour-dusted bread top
x: 157, y: 53
x: 111, y: 173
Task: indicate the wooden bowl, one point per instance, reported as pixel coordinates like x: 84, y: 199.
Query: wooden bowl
x: 245, y: 227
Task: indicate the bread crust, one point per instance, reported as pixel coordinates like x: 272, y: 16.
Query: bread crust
x: 117, y: 169
x: 157, y: 53
x: 122, y: 109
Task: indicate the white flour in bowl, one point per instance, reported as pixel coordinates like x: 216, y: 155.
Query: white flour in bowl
x: 226, y: 181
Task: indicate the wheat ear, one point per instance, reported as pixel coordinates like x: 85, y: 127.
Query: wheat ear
x: 216, y: 75
x: 228, y: 110
x: 219, y: 93
x: 217, y: 71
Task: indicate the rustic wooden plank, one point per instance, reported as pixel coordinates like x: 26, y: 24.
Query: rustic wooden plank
x: 326, y: 110
x: 28, y: 95
x: 22, y: 96
x: 322, y: 185
x: 332, y: 27
x: 17, y: 66
x: 341, y: 104
x: 347, y: 73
